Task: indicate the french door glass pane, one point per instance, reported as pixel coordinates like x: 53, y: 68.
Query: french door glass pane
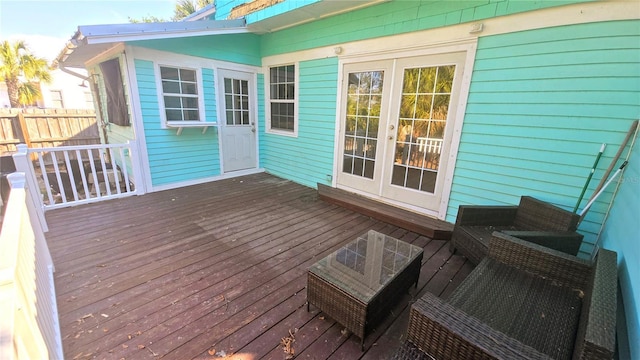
x: 362, y: 123
x: 424, y: 106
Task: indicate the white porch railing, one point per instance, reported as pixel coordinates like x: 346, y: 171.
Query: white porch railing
x: 429, y: 145
x: 29, y: 327
x: 73, y: 175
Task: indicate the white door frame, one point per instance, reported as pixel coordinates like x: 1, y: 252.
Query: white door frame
x: 468, y: 46
x: 355, y: 181
x: 251, y: 77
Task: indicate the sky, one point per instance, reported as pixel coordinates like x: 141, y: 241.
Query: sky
x: 47, y: 25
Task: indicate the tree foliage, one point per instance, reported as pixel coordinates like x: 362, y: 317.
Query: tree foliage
x: 22, y: 71
x: 182, y: 9
x: 147, y: 19
x: 185, y: 8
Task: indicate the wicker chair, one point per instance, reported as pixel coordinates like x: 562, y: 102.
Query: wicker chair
x: 532, y: 220
x: 523, y: 301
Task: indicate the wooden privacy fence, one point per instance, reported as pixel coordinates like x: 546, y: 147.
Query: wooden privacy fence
x: 45, y: 128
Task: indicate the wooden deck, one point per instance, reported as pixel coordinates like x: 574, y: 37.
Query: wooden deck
x: 217, y: 268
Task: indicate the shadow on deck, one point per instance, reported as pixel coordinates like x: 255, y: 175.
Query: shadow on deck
x: 217, y: 268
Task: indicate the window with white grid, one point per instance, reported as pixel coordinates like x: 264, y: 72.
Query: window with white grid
x: 180, y: 94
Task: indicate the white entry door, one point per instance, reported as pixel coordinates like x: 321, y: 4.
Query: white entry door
x: 397, y: 121
x: 238, y: 129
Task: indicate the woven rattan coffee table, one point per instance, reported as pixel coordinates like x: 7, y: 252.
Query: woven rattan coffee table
x: 359, y: 283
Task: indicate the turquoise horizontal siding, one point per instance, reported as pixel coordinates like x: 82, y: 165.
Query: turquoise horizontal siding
x: 541, y: 103
x: 172, y: 158
x: 224, y: 7
x: 209, y: 95
x: 237, y: 48
x: 389, y: 18
x: 308, y: 158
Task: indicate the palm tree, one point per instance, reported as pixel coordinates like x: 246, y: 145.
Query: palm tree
x: 22, y: 71
x: 185, y: 8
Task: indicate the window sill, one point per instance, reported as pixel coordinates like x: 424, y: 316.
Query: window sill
x: 293, y: 133
x: 191, y: 124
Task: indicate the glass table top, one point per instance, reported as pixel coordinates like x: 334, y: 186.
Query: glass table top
x: 363, y: 267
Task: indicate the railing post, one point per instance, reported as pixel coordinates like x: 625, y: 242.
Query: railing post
x: 23, y: 164
x: 136, y: 165
x: 27, y: 269
x: 19, y: 180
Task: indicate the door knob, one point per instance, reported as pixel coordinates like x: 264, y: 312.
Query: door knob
x: 390, y: 137
x: 391, y: 127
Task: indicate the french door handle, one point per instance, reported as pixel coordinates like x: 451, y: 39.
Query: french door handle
x: 391, y: 127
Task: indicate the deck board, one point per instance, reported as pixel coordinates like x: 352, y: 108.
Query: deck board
x: 219, y: 266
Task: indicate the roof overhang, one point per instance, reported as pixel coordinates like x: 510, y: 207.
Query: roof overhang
x: 92, y: 40
x: 311, y: 12
x: 202, y: 14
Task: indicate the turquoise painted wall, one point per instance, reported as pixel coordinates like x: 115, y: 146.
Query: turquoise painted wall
x: 238, y: 48
x: 540, y: 105
x: 278, y: 9
x: 308, y: 158
x: 622, y: 234
x: 173, y: 158
x: 192, y: 155
x: 391, y: 18
x: 224, y: 7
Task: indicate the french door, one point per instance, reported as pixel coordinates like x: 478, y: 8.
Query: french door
x: 397, y: 120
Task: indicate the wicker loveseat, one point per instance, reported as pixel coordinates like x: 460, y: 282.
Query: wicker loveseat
x: 532, y: 220
x: 523, y: 301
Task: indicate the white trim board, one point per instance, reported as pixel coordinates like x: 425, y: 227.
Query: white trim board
x: 112, y: 52
x: 97, y: 34
x: 461, y: 110
x: 138, y: 125
x: 159, y: 56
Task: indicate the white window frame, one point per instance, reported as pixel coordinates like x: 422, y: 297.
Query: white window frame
x: 295, y: 102
x: 89, y: 102
x: 54, y: 100
x: 161, y: 94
